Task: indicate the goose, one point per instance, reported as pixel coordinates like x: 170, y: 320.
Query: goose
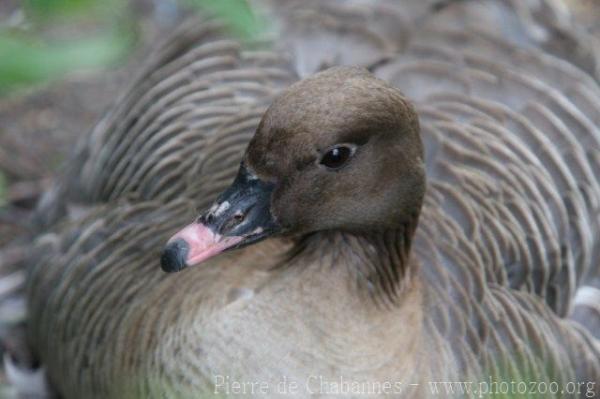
x: 378, y: 219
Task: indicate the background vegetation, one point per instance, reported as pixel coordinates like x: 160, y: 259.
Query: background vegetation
x: 28, y: 56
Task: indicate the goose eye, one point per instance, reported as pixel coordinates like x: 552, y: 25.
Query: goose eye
x: 336, y: 156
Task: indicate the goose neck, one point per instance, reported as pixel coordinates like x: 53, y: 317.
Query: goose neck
x: 379, y: 261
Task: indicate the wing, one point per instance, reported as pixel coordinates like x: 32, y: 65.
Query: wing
x: 512, y: 153
x: 199, y: 84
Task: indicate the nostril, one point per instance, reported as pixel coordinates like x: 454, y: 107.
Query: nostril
x: 238, y: 217
x: 206, y: 219
x: 234, y: 221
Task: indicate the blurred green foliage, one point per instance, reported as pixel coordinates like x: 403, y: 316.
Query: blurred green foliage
x: 26, y: 60
x: 53, y: 8
x: 28, y: 56
x: 237, y: 14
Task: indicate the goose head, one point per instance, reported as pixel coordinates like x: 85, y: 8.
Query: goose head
x: 340, y: 150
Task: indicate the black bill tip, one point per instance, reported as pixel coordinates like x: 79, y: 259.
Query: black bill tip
x: 174, y: 255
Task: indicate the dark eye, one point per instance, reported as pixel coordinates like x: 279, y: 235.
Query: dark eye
x: 337, y: 156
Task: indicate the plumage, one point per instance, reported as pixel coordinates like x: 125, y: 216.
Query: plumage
x: 502, y: 275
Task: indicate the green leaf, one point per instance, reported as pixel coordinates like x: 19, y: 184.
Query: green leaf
x: 24, y: 60
x: 237, y: 14
x: 47, y: 9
